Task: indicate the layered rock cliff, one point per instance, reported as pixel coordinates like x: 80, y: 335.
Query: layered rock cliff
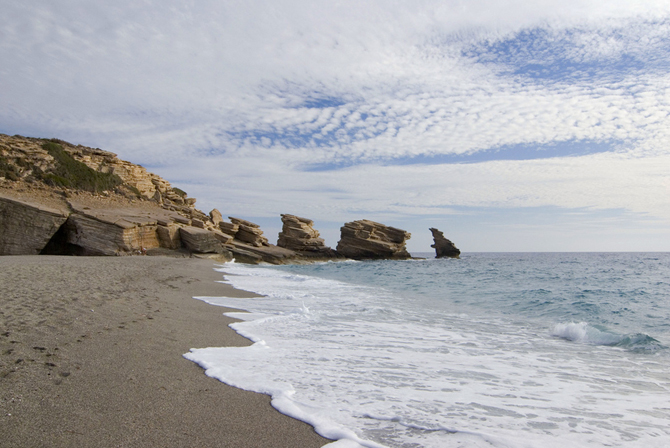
x: 59, y: 198
x: 369, y: 240
x: 443, y: 247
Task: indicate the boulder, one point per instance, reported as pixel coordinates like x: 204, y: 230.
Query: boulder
x: 168, y: 236
x: 443, y: 247
x: 200, y: 240
x: 249, y: 233
x: 369, y: 240
x: 268, y: 253
x: 26, y: 228
x: 216, y: 217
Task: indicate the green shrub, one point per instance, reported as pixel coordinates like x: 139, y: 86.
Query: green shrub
x: 71, y: 173
x: 7, y: 170
x: 179, y: 191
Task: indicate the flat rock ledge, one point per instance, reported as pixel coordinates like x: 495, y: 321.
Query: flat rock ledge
x: 444, y: 248
x: 369, y: 240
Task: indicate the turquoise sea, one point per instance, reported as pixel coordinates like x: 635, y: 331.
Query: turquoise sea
x: 490, y: 350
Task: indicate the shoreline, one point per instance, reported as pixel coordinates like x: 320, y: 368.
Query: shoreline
x: 91, y: 354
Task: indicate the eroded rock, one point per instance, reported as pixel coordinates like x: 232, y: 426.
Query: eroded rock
x: 443, y: 246
x: 369, y: 240
x: 249, y: 232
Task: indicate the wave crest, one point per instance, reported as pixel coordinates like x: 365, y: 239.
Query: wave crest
x: 584, y: 333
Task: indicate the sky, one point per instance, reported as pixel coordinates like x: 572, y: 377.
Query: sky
x: 509, y: 125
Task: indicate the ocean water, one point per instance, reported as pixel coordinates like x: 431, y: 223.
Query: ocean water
x: 491, y: 350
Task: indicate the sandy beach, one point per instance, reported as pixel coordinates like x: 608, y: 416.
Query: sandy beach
x: 91, y: 355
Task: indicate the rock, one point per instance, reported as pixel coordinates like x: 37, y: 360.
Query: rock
x: 197, y: 223
x: 249, y: 233
x: 369, y: 240
x: 443, y: 247
x: 28, y: 158
x: 169, y: 236
x: 267, y: 253
x: 298, y: 235
x: 95, y: 236
x: 229, y: 228
x: 26, y: 228
x: 200, y: 240
x: 216, y: 217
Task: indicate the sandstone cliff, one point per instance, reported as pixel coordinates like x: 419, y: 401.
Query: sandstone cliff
x: 369, y: 240
x: 443, y: 246
x: 59, y: 198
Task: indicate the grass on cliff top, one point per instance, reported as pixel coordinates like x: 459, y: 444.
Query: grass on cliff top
x: 71, y: 173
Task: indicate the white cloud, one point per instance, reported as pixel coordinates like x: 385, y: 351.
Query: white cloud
x: 242, y: 96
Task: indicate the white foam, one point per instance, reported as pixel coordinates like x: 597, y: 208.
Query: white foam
x: 373, y: 369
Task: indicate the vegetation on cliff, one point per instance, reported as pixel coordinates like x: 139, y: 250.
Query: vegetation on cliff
x: 71, y: 173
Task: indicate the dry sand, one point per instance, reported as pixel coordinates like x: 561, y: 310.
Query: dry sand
x: 91, y: 355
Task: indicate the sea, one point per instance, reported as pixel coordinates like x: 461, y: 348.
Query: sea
x: 490, y: 350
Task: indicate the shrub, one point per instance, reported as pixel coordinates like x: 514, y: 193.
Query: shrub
x: 179, y: 191
x: 71, y: 173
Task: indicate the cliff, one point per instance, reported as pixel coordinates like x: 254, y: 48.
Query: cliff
x: 60, y: 198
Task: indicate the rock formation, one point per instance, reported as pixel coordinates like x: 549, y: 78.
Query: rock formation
x: 58, y: 198
x: 26, y: 228
x: 298, y: 234
x: 369, y: 240
x: 248, y: 232
x: 443, y: 247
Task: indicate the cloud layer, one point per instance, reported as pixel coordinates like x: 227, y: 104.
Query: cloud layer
x: 347, y: 110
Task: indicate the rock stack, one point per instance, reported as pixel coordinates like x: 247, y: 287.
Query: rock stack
x: 369, y: 240
x: 248, y: 232
x: 443, y: 247
x: 299, y: 235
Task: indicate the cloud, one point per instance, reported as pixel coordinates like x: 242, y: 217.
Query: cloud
x: 348, y: 108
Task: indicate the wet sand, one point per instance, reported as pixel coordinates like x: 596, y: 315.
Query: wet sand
x: 91, y: 355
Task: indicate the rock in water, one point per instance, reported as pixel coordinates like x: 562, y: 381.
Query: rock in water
x: 369, y: 240
x: 298, y: 234
x: 443, y: 247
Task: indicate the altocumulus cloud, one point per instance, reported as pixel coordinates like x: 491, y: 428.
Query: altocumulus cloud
x: 417, y: 113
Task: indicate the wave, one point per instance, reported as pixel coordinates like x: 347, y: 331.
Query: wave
x: 584, y: 333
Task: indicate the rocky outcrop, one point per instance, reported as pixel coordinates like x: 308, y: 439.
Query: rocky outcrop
x: 249, y: 233
x: 369, y: 240
x: 298, y: 234
x: 26, y: 228
x: 443, y: 247
x: 24, y: 158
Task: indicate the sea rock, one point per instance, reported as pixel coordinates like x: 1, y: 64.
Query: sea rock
x: 443, y: 247
x: 249, y: 233
x: 298, y: 234
x: 26, y: 228
x: 369, y: 240
x: 268, y: 253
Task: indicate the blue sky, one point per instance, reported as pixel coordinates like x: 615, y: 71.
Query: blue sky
x: 508, y: 125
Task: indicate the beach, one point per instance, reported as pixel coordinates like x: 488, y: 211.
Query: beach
x: 91, y: 354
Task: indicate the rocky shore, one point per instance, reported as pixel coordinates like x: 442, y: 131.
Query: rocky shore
x: 57, y: 198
